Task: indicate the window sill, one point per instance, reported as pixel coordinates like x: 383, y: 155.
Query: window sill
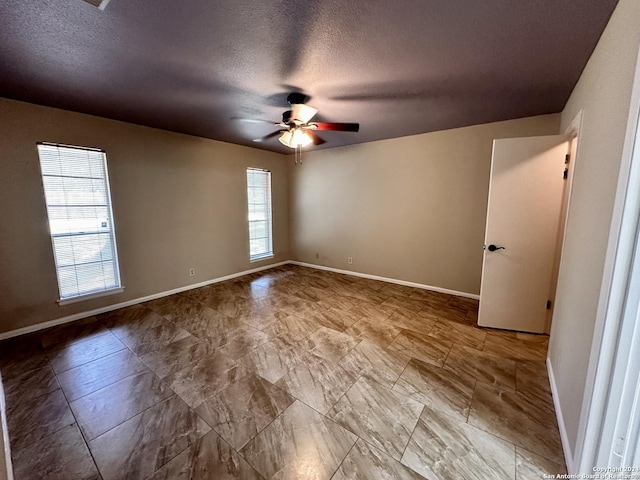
x: 259, y: 259
x: 90, y: 296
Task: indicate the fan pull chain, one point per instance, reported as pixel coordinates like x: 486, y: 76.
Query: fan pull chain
x: 298, y: 154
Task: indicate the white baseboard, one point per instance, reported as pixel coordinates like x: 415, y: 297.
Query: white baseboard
x: 566, y: 447
x: 6, y: 469
x: 389, y: 280
x: 108, y: 308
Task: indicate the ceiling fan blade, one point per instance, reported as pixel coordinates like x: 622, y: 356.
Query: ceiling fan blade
x: 251, y: 120
x: 302, y: 112
x: 267, y: 137
x: 337, y: 127
x: 316, y: 139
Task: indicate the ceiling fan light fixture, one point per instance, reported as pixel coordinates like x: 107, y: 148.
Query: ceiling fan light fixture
x: 295, y: 138
x: 300, y: 138
x: 285, y: 138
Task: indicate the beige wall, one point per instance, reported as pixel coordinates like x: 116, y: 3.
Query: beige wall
x: 178, y: 201
x: 603, y: 94
x: 410, y: 208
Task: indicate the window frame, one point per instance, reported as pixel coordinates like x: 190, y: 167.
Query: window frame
x: 269, y: 214
x: 111, y: 232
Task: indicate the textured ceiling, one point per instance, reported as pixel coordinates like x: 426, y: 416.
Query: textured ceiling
x: 397, y: 67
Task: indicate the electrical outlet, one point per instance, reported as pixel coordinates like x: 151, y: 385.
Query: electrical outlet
x: 350, y: 260
x: 192, y: 272
x: 317, y: 256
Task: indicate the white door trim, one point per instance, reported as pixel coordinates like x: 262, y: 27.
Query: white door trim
x: 615, y: 283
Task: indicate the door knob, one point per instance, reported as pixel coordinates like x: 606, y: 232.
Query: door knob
x: 493, y: 248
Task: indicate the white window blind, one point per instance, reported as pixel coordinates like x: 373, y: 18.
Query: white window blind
x: 259, y: 201
x: 76, y: 188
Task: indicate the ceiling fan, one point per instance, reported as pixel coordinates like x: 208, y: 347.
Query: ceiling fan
x: 297, y: 129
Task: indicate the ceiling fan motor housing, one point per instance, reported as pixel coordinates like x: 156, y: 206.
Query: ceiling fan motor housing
x: 296, y: 97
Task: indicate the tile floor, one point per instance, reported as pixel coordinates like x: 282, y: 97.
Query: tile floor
x: 291, y: 373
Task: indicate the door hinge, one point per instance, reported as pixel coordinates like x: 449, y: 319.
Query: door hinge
x: 618, y: 447
x: 567, y: 157
x: 548, y: 304
x: 565, y: 175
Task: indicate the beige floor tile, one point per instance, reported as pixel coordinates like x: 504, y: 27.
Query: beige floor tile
x: 299, y: 444
x: 239, y: 342
x: 104, y: 409
x: 204, y: 377
x: 317, y: 382
x: 302, y: 308
x: 441, y: 312
x: 437, y: 388
x: 205, y: 322
x: 33, y: 420
x: 138, y: 447
x: 61, y: 456
x: 177, y: 355
x: 169, y: 306
x: 62, y: 335
x: 518, y: 348
x: 118, y: 319
x: 380, y: 416
x: 330, y: 344
x: 20, y: 355
x: 269, y: 360
x: 532, y: 379
x: 30, y: 385
x: 149, y: 333
x: 312, y: 293
x: 379, y: 364
x: 209, y: 458
x: 339, y: 301
x: 232, y: 306
x: 532, y: 466
x: 404, y: 302
x: 409, y: 320
x: 92, y: 376
x: 291, y: 328
x: 85, y: 351
x: 380, y: 333
x: 459, y: 334
x: 364, y: 309
x: 272, y: 360
x: 422, y: 347
x: 517, y: 418
x: 336, y: 319
x: 365, y: 462
x: 261, y: 316
x: 484, y: 367
x: 444, y: 447
x: 240, y: 411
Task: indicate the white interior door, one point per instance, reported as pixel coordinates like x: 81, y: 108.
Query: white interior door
x: 525, y: 196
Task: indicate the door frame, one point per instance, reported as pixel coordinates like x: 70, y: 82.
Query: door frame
x: 573, y: 133
x: 612, y: 375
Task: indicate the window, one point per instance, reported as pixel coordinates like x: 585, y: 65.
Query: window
x: 76, y: 189
x: 259, y: 200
